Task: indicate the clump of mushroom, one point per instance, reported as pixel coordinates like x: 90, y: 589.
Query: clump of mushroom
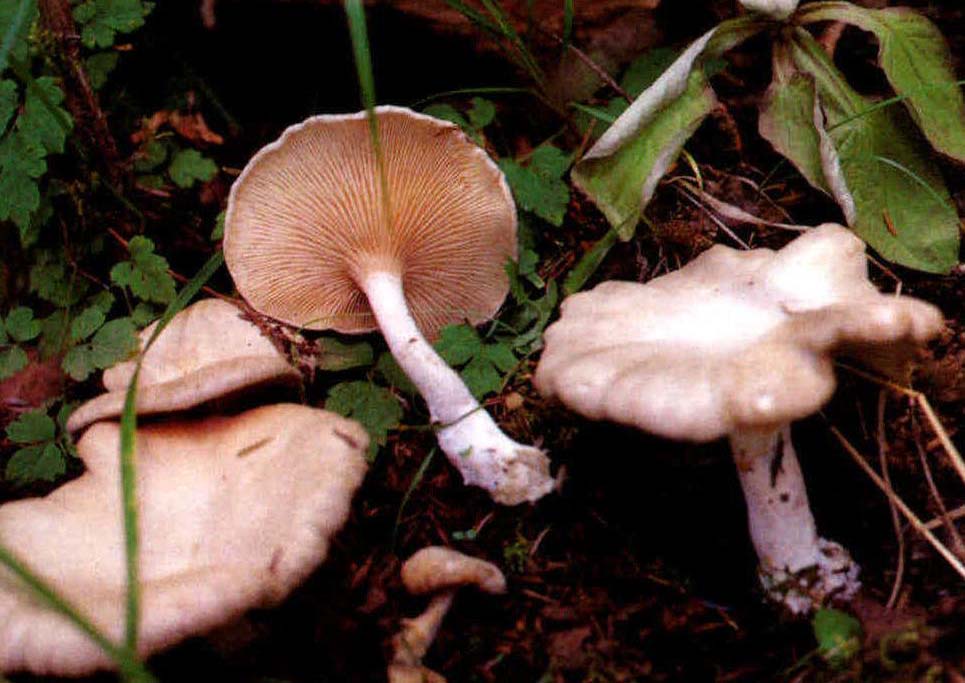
x: 311, y: 240
x: 234, y: 513
x: 740, y: 344
x: 206, y: 352
x: 440, y: 572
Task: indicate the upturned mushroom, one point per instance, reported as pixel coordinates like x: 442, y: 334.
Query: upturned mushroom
x: 440, y: 572
x: 740, y: 344
x: 234, y: 513
x: 207, y: 351
x: 311, y: 240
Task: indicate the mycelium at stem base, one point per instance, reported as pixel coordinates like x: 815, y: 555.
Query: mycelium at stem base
x: 511, y: 472
x: 797, y: 568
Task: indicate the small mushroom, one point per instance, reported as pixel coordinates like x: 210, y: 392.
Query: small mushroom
x: 206, y: 352
x: 740, y: 344
x: 438, y: 571
x: 310, y: 241
x: 234, y: 513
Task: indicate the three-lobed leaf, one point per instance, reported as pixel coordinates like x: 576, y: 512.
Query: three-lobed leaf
x: 374, y: 407
x: 189, y: 166
x: 146, y: 273
x: 32, y: 427
x: 483, y: 365
x: 101, y: 20
x: 115, y: 341
x: 538, y: 184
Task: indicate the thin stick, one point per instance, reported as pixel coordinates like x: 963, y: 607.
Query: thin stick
x: 942, y: 508
x: 957, y: 513
x: 900, y: 504
x: 956, y: 458
x: 882, y: 438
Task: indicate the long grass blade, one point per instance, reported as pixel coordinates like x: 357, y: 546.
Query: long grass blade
x: 568, y: 12
x: 509, y: 33
x: 10, y: 35
x: 128, y: 466
x: 355, y: 13
x: 413, y: 485
x: 130, y: 667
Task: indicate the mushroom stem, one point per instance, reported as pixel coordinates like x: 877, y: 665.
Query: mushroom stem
x: 511, y: 472
x: 413, y: 641
x: 798, y: 568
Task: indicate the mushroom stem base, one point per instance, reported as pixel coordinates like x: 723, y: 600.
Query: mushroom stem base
x: 797, y: 568
x: 511, y: 472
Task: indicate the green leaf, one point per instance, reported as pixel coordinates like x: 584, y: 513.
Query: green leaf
x: 538, y: 186
x: 43, y: 462
x: 621, y: 171
x: 376, y: 408
x: 87, y: 323
x: 43, y: 121
x: 787, y: 119
x: 99, y: 66
x: 879, y: 171
x: 647, y: 68
x: 21, y: 325
x: 55, y: 333
x: 114, y: 342
x: 16, y: 18
x: 188, y: 166
x: 146, y: 273
x: 916, y: 60
x: 446, y: 112
x: 8, y: 102
x: 389, y: 368
x: 218, y: 232
x: 334, y: 356
x: 150, y: 156
x: 838, y: 635
x: 21, y: 163
x: 481, y: 113
x: 51, y: 281
x: 32, y: 427
x: 101, y: 20
x: 485, y: 364
x: 144, y: 314
x: 12, y: 361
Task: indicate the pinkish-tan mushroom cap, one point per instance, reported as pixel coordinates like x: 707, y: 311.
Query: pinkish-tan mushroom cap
x: 305, y: 221
x: 731, y: 341
x: 436, y: 568
x: 234, y: 513
x: 206, y: 352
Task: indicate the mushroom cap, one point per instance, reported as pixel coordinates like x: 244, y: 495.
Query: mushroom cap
x: 234, y: 513
x: 305, y: 222
x: 733, y: 340
x: 207, y: 351
x: 437, y: 568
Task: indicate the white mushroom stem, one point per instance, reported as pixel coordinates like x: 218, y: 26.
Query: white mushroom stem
x: 413, y: 641
x: 511, y: 472
x: 798, y: 568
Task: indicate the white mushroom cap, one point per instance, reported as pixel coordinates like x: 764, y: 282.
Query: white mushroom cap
x: 734, y: 340
x: 437, y: 568
x: 234, y: 513
x: 306, y: 223
x: 207, y: 351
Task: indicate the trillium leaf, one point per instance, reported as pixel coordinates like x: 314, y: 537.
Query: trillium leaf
x: 621, y: 171
x: 880, y: 173
x: 915, y: 58
x: 787, y: 119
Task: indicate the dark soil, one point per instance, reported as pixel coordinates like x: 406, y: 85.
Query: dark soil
x: 640, y: 568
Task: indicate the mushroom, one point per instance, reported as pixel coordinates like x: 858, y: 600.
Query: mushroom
x: 310, y: 240
x: 234, y: 513
x: 740, y: 344
x: 439, y: 571
x: 206, y: 352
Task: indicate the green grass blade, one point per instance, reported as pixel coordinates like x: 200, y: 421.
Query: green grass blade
x: 598, y: 114
x: 355, y: 13
x: 588, y: 263
x: 918, y: 180
x: 568, y: 11
x: 130, y: 667
x: 128, y: 443
x: 484, y: 90
x: 413, y: 485
x: 10, y: 35
x: 474, y: 16
x: 509, y: 33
